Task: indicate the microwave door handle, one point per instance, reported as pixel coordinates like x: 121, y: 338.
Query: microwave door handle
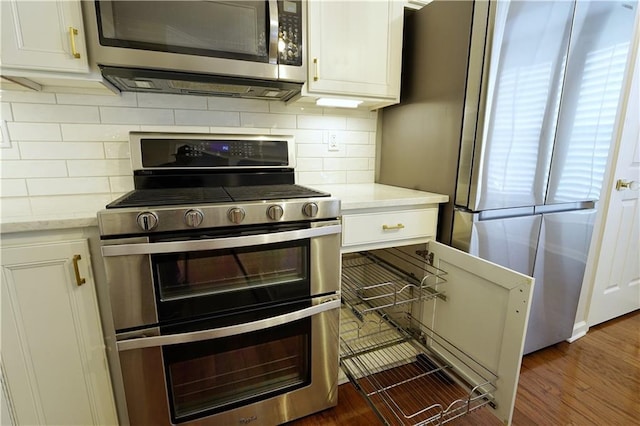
x: 273, y: 32
x: 218, y: 243
x: 233, y: 330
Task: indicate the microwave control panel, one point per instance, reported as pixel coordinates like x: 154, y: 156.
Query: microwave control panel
x: 290, y: 32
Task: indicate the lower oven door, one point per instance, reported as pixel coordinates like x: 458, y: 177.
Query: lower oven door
x: 269, y: 371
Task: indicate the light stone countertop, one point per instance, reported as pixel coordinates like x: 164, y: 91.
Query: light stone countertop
x: 374, y: 195
x: 352, y: 196
x: 46, y: 223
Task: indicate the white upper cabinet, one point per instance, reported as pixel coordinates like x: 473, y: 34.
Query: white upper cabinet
x: 44, y: 36
x: 354, y: 50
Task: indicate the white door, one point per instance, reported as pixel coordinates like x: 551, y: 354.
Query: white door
x: 616, y: 288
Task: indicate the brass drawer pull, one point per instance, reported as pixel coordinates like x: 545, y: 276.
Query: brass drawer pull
x: 72, y: 33
x: 76, y: 269
x: 392, y: 227
x: 316, y: 75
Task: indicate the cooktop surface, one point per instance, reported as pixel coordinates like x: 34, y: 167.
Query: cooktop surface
x: 212, y: 195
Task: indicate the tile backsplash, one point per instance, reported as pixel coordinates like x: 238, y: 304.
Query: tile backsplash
x: 68, y: 154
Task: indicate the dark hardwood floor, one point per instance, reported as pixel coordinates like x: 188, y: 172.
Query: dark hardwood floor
x: 593, y: 381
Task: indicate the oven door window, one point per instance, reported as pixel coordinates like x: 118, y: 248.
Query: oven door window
x: 209, y: 377
x: 208, y: 282
x: 234, y: 30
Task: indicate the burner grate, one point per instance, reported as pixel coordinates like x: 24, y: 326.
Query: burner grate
x: 271, y: 192
x: 171, y: 196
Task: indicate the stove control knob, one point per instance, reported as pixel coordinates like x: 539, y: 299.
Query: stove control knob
x: 310, y: 209
x: 275, y: 212
x: 236, y: 215
x: 193, y: 218
x: 147, y: 221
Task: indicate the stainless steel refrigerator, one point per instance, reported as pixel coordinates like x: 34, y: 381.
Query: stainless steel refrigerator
x: 508, y: 107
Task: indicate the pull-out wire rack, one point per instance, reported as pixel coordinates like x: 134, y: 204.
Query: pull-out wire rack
x: 409, y: 373
x: 370, y: 283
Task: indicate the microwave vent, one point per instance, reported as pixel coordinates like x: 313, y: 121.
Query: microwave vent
x: 165, y: 81
x: 196, y: 86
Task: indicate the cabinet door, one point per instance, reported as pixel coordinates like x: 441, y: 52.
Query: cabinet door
x: 355, y: 48
x: 43, y: 35
x: 484, y: 315
x: 53, y: 353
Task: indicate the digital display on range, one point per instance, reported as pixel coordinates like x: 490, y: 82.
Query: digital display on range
x: 199, y: 153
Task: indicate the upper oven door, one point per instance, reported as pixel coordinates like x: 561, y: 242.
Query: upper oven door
x: 236, y: 38
x: 170, y: 281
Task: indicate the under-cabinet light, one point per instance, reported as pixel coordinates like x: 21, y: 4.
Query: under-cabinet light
x: 341, y: 103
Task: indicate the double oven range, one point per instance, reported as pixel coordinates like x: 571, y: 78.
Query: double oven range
x: 224, y: 283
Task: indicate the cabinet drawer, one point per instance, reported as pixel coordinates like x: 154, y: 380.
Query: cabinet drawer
x: 388, y: 226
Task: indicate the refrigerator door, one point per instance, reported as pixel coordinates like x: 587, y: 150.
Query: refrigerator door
x: 597, y: 61
x: 513, y: 141
x: 558, y: 271
x: 508, y: 241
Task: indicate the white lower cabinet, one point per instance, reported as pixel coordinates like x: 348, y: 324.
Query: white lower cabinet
x: 430, y: 333
x: 54, y: 367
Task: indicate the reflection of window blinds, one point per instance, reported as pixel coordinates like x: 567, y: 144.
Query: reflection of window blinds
x: 521, y: 99
x: 592, y: 130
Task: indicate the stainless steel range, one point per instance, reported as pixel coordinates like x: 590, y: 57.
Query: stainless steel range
x: 224, y: 283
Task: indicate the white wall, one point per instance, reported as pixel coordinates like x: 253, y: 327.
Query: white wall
x: 67, y: 154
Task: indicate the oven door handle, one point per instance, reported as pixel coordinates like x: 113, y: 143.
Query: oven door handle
x: 325, y: 304
x: 218, y: 243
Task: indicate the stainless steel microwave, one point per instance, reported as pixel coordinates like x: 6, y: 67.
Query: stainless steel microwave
x: 253, y: 48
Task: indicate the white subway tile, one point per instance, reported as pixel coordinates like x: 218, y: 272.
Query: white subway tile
x: 67, y: 186
x: 117, y: 115
x: 125, y: 99
x: 372, y: 163
x: 18, y: 207
x: 10, y: 153
x: 69, y: 204
x: 207, y: 118
x: 322, y: 122
x: 309, y: 164
x: 274, y: 121
x: 33, y: 168
x: 55, y: 113
x: 27, y: 96
x: 99, y: 167
x: 175, y: 129
x: 334, y: 164
x: 320, y: 178
x: 308, y: 108
x: 34, y: 132
x: 13, y: 188
x: 114, y: 150
x: 348, y: 112
x: 241, y: 130
x: 121, y: 183
x: 346, y: 164
x: 366, y: 124
x: 244, y: 105
x: 360, y: 176
x: 368, y: 151
x: 160, y: 100
x: 5, y: 112
x: 355, y: 138
x: 309, y: 136
x: 372, y: 138
x: 60, y: 150
x: 317, y: 150
x: 97, y: 132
